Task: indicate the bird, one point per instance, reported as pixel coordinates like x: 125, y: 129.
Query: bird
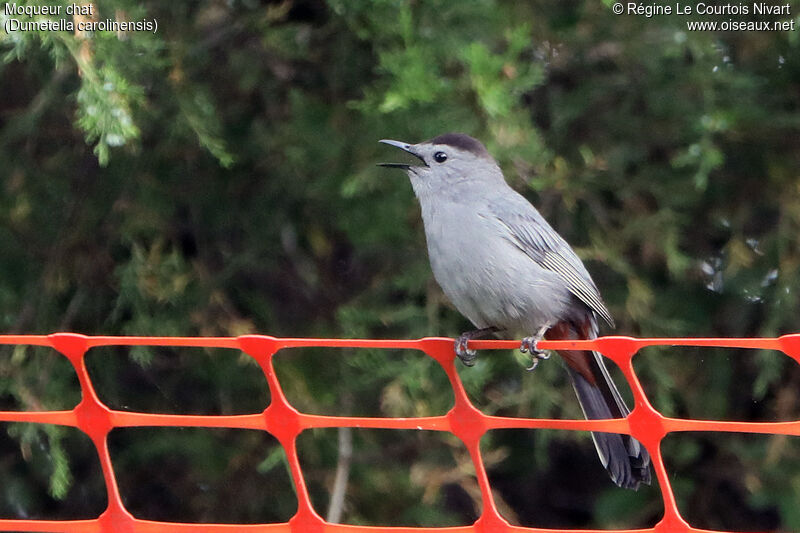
x: 506, y: 269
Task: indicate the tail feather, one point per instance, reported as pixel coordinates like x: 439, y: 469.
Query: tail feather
x: 624, y: 457
x: 626, y: 460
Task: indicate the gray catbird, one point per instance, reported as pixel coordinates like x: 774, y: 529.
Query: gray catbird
x: 506, y: 269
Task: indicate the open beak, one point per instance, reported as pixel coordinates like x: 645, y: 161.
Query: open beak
x: 406, y: 148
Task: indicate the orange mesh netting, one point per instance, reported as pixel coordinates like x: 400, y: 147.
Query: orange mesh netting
x: 285, y: 423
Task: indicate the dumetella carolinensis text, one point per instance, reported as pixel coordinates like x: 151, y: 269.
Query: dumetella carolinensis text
x: 506, y: 269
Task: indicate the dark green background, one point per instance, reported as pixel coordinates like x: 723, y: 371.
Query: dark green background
x: 218, y: 178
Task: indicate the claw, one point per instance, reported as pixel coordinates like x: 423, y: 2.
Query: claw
x: 529, y: 346
x: 535, y: 358
x: 466, y: 355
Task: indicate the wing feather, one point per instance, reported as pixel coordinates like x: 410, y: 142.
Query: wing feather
x: 531, y: 233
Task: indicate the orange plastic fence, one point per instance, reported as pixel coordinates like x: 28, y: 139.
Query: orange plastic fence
x: 285, y: 423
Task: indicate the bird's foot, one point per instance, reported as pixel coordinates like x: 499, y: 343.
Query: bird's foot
x: 466, y: 355
x: 529, y: 345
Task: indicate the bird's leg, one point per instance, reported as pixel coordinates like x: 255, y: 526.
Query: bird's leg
x: 529, y: 346
x: 466, y: 355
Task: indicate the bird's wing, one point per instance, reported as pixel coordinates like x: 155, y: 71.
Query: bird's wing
x: 531, y: 233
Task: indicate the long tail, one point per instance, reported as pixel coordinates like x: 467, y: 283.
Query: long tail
x: 624, y: 457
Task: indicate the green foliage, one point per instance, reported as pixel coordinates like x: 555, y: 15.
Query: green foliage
x: 46, y: 441
x: 218, y: 178
x: 104, y: 111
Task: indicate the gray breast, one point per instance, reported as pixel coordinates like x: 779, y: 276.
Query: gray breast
x: 487, y: 279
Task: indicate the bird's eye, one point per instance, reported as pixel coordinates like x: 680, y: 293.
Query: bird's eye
x: 440, y: 157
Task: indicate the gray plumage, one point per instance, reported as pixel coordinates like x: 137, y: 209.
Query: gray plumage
x: 503, y: 266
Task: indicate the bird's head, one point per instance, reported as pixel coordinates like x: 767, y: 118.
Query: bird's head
x: 446, y: 160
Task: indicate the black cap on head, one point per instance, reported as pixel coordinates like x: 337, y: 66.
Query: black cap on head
x: 461, y: 141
